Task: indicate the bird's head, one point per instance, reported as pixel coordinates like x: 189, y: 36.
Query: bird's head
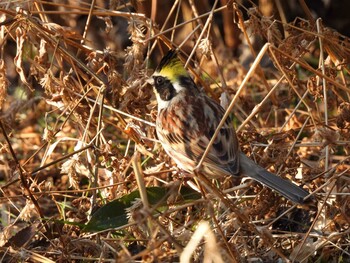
x: 171, y: 79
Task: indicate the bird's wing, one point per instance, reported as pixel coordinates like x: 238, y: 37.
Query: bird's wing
x: 189, y: 130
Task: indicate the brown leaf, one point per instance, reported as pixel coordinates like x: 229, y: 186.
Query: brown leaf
x: 20, y: 38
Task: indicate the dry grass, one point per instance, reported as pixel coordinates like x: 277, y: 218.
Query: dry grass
x: 77, y: 132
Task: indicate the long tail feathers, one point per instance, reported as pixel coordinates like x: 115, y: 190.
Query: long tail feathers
x: 286, y: 188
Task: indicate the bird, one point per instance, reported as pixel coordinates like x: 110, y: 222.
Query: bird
x: 186, y: 121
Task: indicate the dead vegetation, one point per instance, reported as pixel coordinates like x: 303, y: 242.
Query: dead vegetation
x: 77, y: 131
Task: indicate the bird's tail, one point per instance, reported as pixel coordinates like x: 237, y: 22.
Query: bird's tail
x: 286, y: 188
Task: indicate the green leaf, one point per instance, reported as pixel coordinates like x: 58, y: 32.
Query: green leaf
x: 188, y: 194
x: 113, y: 214
x: 108, y: 216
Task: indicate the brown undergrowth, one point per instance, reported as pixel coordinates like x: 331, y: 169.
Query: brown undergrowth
x: 77, y: 131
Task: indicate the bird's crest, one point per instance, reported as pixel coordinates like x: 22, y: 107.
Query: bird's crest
x: 171, y: 66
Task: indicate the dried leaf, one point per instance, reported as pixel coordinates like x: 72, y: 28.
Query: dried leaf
x: 21, y: 36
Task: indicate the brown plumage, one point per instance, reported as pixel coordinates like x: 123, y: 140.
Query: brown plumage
x: 186, y: 121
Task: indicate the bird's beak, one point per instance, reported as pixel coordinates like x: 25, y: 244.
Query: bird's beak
x: 150, y: 80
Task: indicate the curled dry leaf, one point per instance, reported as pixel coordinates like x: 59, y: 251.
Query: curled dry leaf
x: 134, y: 53
x: 74, y: 167
x: 21, y: 35
x: 343, y: 118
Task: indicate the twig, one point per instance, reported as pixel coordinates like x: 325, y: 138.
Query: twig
x: 23, y: 179
x: 325, y: 101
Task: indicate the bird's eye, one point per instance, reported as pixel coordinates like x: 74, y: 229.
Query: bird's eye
x: 159, y: 80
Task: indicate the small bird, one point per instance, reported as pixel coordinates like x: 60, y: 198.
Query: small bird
x: 186, y: 121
